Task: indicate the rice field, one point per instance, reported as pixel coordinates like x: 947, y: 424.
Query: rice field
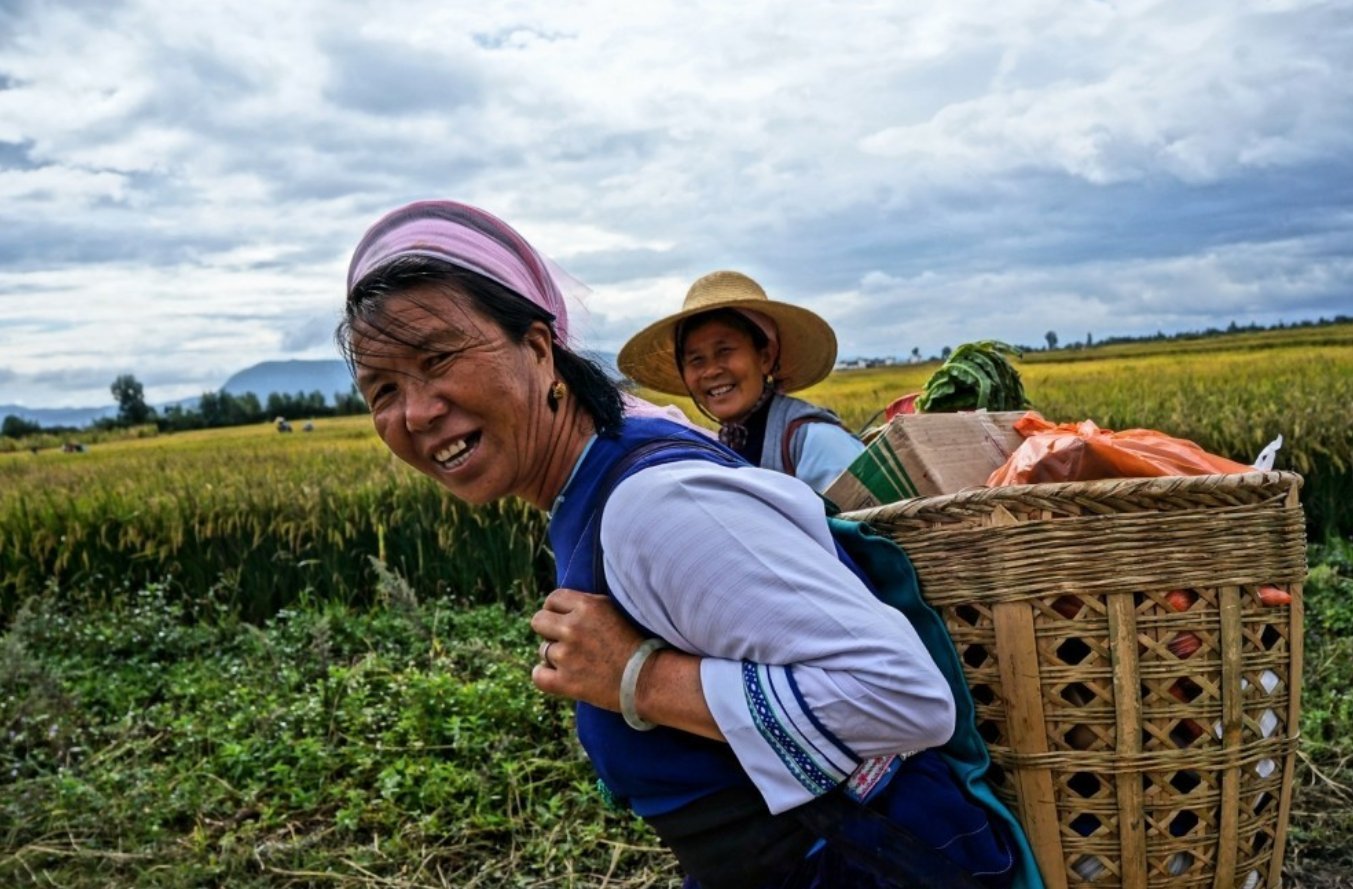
x: 267, y: 518
x: 1231, y: 400
x: 270, y: 519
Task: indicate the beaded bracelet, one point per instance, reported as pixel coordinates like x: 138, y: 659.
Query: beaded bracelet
x: 629, y: 682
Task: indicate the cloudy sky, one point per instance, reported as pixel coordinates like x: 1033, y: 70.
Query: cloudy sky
x: 181, y: 182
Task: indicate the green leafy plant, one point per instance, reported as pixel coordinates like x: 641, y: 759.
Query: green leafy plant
x: 150, y: 741
x: 976, y: 375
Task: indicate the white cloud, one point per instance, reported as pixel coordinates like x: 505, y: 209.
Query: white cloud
x: 1196, y: 92
x: 884, y: 315
x: 181, y: 329
x: 180, y: 184
x: 47, y: 185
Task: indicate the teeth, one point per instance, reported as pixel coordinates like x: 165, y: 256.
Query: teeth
x: 720, y: 390
x: 450, y: 451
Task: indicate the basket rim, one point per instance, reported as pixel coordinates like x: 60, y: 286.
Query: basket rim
x: 977, y: 497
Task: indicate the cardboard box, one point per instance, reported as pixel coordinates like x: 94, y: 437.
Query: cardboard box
x: 921, y: 455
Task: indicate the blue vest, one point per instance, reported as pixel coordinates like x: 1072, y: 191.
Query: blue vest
x: 659, y: 771
x: 784, y: 410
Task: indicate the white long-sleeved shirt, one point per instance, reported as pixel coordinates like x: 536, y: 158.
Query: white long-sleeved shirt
x: 805, y: 672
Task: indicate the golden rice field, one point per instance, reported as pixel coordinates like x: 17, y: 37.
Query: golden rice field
x: 1231, y: 401
x: 271, y: 518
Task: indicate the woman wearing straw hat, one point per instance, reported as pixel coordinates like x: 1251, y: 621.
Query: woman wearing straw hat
x: 738, y: 353
x: 738, y: 682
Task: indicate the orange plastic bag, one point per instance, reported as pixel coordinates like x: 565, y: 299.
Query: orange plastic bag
x: 1072, y: 452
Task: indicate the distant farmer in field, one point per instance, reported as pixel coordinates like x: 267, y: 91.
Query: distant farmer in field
x: 738, y: 685
x: 738, y: 354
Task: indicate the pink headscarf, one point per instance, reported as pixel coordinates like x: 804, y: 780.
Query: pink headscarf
x: 467, y: 238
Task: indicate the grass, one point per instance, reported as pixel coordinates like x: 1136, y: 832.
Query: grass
x: 41, y: 441
x: 1322, y: 812
x: 276, y: 517
x: 148, y: 739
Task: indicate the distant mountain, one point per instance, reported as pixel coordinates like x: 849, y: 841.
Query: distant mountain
x: 80, y: 417
x: 58, y: 416
x: 328, y: 376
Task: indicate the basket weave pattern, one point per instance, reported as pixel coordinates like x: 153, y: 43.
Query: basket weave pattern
x: 1139, y: 700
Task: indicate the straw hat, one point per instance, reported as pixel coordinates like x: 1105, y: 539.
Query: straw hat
x: 807, y: 343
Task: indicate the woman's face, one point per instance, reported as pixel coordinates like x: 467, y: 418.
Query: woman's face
x: 723, y: 369
x: 451, y: 395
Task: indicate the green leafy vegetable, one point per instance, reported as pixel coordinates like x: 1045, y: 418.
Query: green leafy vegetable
x: 976, y: 375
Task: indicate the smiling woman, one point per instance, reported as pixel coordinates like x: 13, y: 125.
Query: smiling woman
x: 738, y: 683
x: 450, y: 356
x: 738, y: 354
x: 449, y: 388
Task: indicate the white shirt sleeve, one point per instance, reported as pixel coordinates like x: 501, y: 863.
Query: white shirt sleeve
x: 827, y: 450
x: 637, y: 407
x: 805, y: 672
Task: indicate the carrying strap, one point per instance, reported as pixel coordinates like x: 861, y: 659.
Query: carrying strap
x: 786, y: 443
x: 888, y: 850
x: 662, y: 450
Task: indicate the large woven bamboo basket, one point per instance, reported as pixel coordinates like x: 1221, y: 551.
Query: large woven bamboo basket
x: 1139, y: 698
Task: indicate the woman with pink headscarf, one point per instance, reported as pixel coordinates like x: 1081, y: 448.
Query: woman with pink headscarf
x: 738, y: 684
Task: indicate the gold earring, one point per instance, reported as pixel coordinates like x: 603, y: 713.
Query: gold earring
x: 556, y: 394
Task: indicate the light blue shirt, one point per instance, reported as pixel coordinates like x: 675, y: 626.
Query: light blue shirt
x: 827, y: 451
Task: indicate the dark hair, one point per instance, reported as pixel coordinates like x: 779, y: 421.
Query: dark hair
x: 732, y: 317
x: 596, y: 392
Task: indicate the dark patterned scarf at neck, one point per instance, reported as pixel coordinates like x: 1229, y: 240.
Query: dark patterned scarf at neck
x: 734, y: 432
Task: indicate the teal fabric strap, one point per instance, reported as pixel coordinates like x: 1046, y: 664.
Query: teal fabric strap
x: 884, y: 562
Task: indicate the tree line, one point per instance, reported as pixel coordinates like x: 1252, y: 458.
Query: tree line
x: 221, y: 408
x: 1052, y: 338
x: 214, y: 409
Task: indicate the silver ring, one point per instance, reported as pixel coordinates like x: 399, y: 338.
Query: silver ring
x: 545, y: 654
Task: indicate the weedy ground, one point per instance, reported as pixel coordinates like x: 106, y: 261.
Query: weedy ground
x: 159, y: 741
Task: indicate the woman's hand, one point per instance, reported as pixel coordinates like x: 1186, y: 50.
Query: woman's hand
x: 589, y: 642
